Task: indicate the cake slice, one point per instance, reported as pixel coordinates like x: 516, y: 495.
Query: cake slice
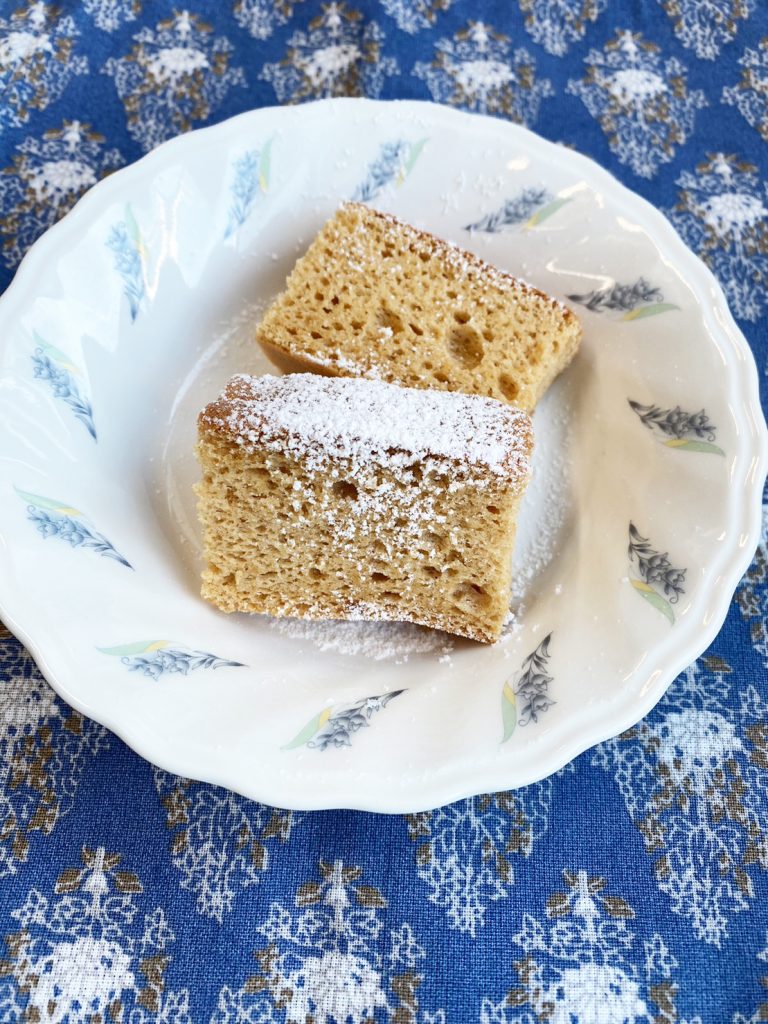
x: 343, y: 498
x: 374, y: 297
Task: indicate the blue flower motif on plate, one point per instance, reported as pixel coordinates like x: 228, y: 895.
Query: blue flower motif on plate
x: 58, y: 519
x: 154, y: 658
x: 634, y: 301
x: 126, y: 243
x: 531, y: 686
x: 530, y: 207
x: 54, y: 367
x: 395, y: 162
x: 251, y: 176
x: 335, y: 727
x: 678, y: 429
x: 656, y: 579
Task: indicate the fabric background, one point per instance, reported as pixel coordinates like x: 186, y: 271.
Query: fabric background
x: 629, y: 887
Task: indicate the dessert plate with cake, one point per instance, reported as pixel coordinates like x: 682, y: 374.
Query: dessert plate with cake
x: 344, y: 466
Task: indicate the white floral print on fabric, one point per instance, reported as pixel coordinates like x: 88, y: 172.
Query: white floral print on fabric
x: 705, y: 26
x: 44, y: 750
x: 38, y: 59
x: 465, y: 851
x: 721, y: 214
x: 340, y: 55
x: 413, y: 15
x: 87, y: 953
x: 750, y: 95
x: 761, y: 1013
x: 175, y: 77
x: 220, y: 841
x: 45, y: 178
x: 582, y: 961
x: 695, y: 783
x: 109, y: 15
x: 752, y: 593
x: 641, y: 102
x: 327, y: 959
x: 260, y: 18
x: 555, y: 24
x: 478, y: 69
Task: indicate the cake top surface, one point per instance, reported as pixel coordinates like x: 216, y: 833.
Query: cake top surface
x: 466, y: 265
x: 370, y: 421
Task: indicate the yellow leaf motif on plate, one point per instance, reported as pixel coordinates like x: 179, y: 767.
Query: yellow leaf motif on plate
x: 687, y: 445
x: 312, y: 727
x: 264, y: 166
x: 47, y: 503
x: 410, y: 162
x: 640, y: 585
x: 643, y: 311
x: 508, y: 711
x: 658, y: 602
x: 544, y: 213
x: 139, y: 647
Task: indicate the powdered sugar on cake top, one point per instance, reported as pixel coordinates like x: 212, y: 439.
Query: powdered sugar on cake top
x: 370, y: 421
x: 465, y: 265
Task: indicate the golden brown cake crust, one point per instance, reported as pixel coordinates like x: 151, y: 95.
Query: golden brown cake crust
x: 378, y: 298
x: 346, y: 498
x: 451, y: 251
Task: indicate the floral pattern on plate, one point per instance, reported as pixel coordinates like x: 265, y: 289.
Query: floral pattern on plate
x: 58, y: 519
x: 674, y: 428
x: 531, y: 686
x: 530, y: 207
x: 155, y: 658
x: 250, y: 177
x: 394, y: 163
x: 633, y: 301
x: 338, y: 694
x: 126, y: 243
x: 657, y: 580
x: 60, y: 373
x: 336, y: 727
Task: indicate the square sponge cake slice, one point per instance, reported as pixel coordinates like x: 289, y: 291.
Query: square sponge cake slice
x: 344, y: 498
x: 374, y: 297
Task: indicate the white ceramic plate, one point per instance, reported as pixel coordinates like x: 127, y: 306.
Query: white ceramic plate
x: 131, y: 313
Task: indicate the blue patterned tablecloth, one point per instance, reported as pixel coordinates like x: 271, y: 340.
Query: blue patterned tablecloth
x: 629, y: 887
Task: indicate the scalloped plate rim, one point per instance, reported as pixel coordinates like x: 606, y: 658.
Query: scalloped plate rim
x: 446, y: 787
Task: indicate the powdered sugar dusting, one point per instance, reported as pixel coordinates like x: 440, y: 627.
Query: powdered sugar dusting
x: 542, y: 523
x: 479, y: 273
x: 376, y: 641
x: 370, y: 421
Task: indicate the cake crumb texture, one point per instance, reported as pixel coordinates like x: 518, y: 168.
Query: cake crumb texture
x: 375, y: 297
x: 352, y: 499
